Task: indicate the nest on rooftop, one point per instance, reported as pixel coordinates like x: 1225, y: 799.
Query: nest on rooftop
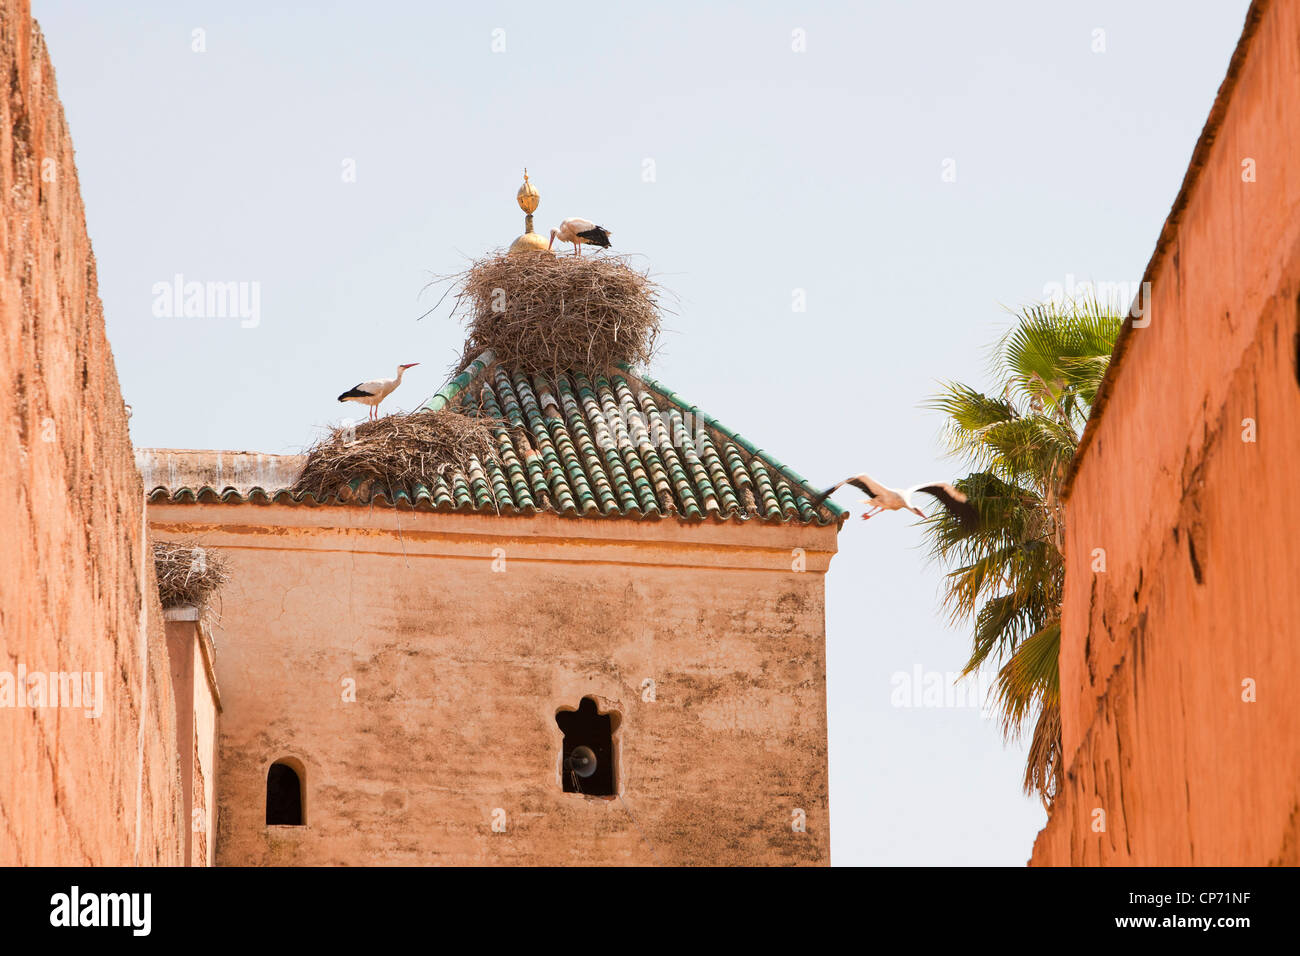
x: 397, y: 451
x: 546, y: 314
x: 188, y: 573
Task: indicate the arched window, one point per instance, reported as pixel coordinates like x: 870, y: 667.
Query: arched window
x: 284, y: 794
x: 587, y: 757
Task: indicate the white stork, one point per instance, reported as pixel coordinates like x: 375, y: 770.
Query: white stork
x: 580, y: 232
x: 375, y: 391
x: 883, y: 498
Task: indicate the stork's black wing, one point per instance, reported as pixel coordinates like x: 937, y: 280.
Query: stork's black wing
x: 355, y: 392
x: 597, y: 236
x: 958, y: 504
x: 862, y: 482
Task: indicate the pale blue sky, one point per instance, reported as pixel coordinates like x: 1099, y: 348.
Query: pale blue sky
x: 774, y: 171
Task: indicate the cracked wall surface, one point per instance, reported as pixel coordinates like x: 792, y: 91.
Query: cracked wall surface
x: 1185, y: 484
x: 414, y: 664
x: 77, y: 591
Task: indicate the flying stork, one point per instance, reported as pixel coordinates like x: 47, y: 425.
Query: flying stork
x: 373, y: 392
x: 580, y: 232
x: 883, y: 498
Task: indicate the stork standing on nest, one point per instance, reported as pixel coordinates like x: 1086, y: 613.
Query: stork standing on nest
x: 375, y: 391
x: 883, y: 498
x: 580, y: 232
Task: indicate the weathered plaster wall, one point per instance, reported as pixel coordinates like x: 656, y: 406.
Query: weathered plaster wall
x: 190, y: 651
x: 207, y: 708
x: 1200, y: 531
x: 73, y: 789
x: 459, y: 671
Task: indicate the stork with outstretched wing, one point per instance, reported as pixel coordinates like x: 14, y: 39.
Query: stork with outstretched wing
x: 883, y: 498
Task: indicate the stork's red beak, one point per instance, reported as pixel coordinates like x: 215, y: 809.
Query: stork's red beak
x: 919, y: 511
x: 411, y: 365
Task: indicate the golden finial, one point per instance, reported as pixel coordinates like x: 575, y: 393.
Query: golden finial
x: 528, y: 198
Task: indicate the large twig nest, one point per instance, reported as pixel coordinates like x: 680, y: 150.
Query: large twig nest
x: 547, y: 314
x: 398, y: 451
x: 187, y: 573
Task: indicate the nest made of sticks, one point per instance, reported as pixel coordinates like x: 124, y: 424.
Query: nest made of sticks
x: 188, y: 573
x: 547, y: 314
x: 397, y: 451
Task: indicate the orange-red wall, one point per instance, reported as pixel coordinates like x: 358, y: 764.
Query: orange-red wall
x: 74, y: 789
x: 1200, y: 528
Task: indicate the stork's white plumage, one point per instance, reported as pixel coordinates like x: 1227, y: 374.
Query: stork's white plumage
x: 375, y: 391
x: 883, y: 498
x: 580, y: 232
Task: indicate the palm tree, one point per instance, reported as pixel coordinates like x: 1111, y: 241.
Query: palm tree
x: 1006, y: 576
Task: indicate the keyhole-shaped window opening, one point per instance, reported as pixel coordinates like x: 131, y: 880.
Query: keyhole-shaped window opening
x: 587, y: 755
x: 283, y: 795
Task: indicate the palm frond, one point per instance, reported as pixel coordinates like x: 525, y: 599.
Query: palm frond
x: 1030, y: 677
x: 1043, y: 354
x: 1006, y: 574
x: 1045, y: 763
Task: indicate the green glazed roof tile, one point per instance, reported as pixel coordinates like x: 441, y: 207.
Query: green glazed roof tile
x: 549, y: 465
x: 637, y: 472
x: 731, y: 502
x: 516, y: 493
x: 785, y: 497
x: 588, y: 455
x: 607, y: 446
x: 565, y: 450
x: 460, y: 490
x: 442, y: 494
x: 640, y: 437
x: 681, y: 440
x: 765, y: 493
x: 836, y: 512
x: 479, y: 485
x: 660, y: 439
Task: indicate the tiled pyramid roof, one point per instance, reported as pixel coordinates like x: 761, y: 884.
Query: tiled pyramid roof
x: 615, y: 445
